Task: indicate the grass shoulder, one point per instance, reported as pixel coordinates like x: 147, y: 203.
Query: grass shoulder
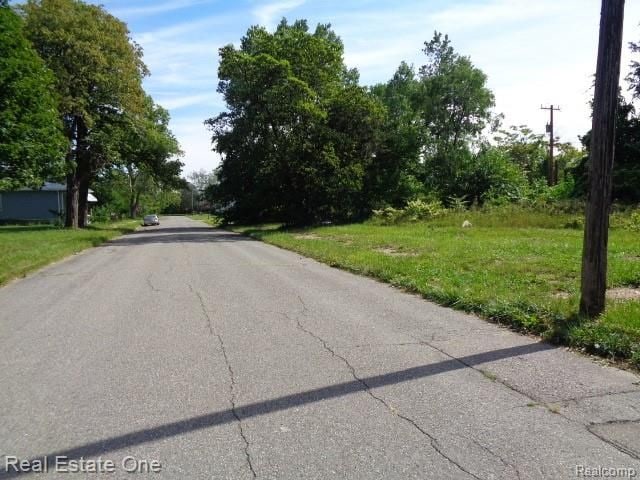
x: 26, y: 248
x: 514, y: 271
x: 207, y: 218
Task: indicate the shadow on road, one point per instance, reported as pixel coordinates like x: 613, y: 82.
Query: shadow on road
x: 285, y: 402
x: 151, y: 235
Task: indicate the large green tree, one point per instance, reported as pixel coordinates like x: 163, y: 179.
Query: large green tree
x: 626, y: 168
x: 147, y: 152
x: 31, y: 141
x: 299, y: 133
x: 432, y: 137
x: 395, y: 176
x: 98, y: 72
x: 455, y: 106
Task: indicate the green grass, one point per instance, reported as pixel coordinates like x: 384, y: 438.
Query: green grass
x: 28, y: 247
x: 206, y: 218
x: 517, y: 268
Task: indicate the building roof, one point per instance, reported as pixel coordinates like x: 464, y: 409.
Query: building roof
x: 60, y: 187
x: 52, y: 187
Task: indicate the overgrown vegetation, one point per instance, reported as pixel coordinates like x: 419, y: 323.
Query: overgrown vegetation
x: 326, y: 149
x: 515, y: 266
x: 28, y: 247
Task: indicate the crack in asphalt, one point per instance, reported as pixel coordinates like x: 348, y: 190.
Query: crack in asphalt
x: 546, y: 405
x: 434, y: 442
x: 151, y: 285
x: 613, y: 443
x: 577, y: 400
x: 494, y: 454
x: 367, y: 389
x: 369, y: 345
x: 232, y: 384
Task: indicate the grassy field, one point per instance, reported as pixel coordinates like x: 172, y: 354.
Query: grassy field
x: 27, y: 248
x: 517, y: 269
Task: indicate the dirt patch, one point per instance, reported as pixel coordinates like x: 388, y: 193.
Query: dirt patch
x: 392, y: 252
x: 562, y: 295
x: 307, y: 236
x: 624, y: 293
x: 344, y: 240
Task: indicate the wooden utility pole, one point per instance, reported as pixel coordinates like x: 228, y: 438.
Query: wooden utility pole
x: 605, y: 101
x: 552, y: 171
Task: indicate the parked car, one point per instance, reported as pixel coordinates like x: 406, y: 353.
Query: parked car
x: 151, y: 220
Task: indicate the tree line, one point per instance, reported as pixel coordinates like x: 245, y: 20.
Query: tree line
x: 302, y: 141
x: 73, y: 107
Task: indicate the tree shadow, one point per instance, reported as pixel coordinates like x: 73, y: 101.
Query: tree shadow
x: 173, y: 235
x: 282, y: 403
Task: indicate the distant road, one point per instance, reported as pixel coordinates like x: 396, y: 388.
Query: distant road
x: 203, y: 354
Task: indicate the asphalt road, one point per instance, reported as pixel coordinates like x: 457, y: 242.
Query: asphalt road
x: 220, y: 357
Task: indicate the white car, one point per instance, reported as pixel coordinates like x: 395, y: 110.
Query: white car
x: 151, y: 220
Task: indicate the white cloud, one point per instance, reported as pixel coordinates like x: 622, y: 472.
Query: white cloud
x: 268, y: 14
x: 533, y: 52
x: 498, y: 12
x: 195, y: 141
x: 211, y: 100
x: 199, y: 28
x: 156, y: 8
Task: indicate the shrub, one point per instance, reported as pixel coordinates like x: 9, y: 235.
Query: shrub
x: 627, y: 220
x: 387, y: 215
x: 457, y: 204
x: 421, y: 210
x: 101, y: 213
x: 414, y: 210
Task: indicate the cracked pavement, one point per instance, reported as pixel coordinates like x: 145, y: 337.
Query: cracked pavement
x: 223, y: 357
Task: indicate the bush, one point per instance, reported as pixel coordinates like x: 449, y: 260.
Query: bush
x: 421, y: 210
x: 489, y: 175
x: 101, y: 213
x: 634, y: 221
x: 414, y: 210
x: 457, y: 204
x: 388, y: 215
x: 627, y: 220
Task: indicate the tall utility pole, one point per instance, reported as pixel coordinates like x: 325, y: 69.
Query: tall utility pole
x: 603, y: 132
x: 552, y: 171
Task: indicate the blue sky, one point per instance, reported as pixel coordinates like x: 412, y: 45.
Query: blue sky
x: 533, y: 51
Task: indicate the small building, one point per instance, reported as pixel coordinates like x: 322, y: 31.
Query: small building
x: 45, y: 204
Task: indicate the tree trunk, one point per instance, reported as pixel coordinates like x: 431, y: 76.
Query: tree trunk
x: 133, y: 177
x: 136, y: 204
x: 132, y: 206
x: 596, y: 230
x: 85, y: 173
x: 71, y: 205
x: 83, y: 204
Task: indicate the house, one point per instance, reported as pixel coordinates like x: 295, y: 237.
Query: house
x: 45, y: 204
